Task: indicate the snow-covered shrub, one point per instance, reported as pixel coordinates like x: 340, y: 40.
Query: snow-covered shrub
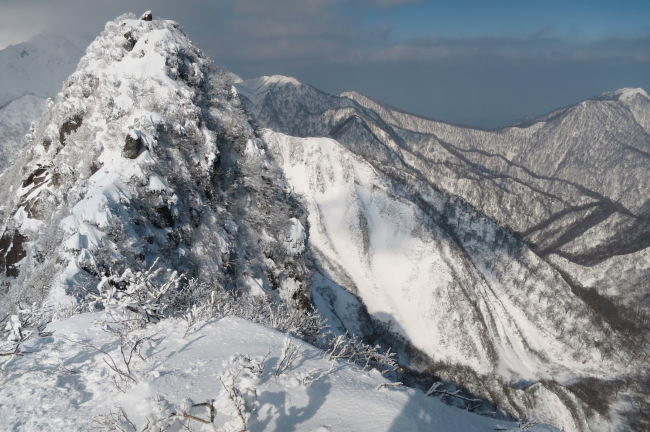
x: 287, y: 358
x: 25, y: 323
x: 149, y: 293
x: 14, y: 329
x: 210, y: 301
x: 353, y: 349
x: 238, y: 400
x: 115, y: 420
x: 204, y: 301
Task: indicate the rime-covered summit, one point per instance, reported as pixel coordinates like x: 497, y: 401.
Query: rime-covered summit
x: 145, y: 155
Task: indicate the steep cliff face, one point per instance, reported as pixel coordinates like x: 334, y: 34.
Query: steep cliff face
x: 426, y: 223
x: 146, y: 156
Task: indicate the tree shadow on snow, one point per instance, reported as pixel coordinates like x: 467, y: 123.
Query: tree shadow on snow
x: 287, y: 418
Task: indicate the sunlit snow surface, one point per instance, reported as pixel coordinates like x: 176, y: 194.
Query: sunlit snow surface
x: 64, y: 383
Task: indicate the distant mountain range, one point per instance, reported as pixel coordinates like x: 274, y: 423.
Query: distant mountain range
x: 31, y: 72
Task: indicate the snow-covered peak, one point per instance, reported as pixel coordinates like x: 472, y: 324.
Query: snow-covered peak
x: 636, y: 100
x: 277, y: 79
x: 263, y: 84
x: 133, y: 163
x: 36, y: 67
x: 626, y: 94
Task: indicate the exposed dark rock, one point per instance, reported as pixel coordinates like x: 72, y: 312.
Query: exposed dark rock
x: 130, y: 41
x: 11, y: 252
x: 47, y: 143
x: 94, y: 167
x: 69, y: 126
x: 36, y: 178
x: 165, y: 218
x: 132, y: 146
x: 147, y: 16
x: 34, y: 208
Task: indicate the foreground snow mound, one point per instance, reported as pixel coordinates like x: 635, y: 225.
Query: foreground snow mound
x: 229, y: 370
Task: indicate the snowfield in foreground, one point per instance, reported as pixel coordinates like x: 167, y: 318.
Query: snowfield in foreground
x: 65, y: 381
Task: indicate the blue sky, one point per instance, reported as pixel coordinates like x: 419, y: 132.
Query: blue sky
x: 579, y: 19
x: 476, y: 62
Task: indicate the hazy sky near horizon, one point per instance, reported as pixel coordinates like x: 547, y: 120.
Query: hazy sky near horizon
x: 477, y: 62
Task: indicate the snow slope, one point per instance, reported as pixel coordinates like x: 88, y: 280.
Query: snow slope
x: 36, y: 67
x: 64, y: 384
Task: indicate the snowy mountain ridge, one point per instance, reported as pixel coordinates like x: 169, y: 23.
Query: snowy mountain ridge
x: 479, y: 201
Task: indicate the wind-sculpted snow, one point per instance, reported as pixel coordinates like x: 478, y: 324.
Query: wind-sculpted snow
x: 146, y: 156
x: 480, y: 249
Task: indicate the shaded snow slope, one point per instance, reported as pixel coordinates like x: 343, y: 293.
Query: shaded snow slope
x: 64, y: 384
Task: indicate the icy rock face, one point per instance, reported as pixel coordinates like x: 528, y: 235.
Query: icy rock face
x: 143, y: 157
x: 477, y: 249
